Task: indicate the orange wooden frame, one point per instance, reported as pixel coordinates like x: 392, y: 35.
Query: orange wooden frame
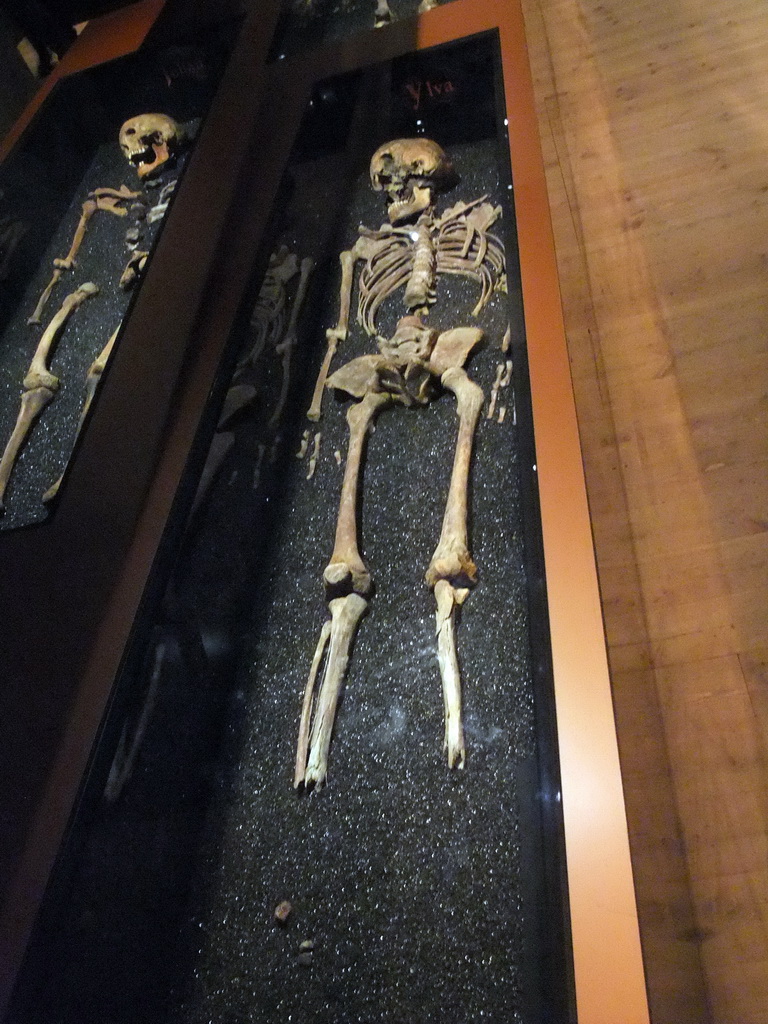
x: 610, y: 982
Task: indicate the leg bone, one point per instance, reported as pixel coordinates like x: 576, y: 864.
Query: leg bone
x: 452, y: 571
x: 345, y: 575
x: 38, y: 374
x: 32, y: 404
x: 451, y: 559
x: 92, y: 381
x: 346, y: 570
x: 346, y: 613
x: 302, y: 747
x: 448, y: 598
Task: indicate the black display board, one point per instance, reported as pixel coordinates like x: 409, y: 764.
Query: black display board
x: 416, y: 892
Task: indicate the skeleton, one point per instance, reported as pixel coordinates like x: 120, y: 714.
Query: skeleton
x: 40, y: 385
x: 114, y: 201
x: 411, y: 368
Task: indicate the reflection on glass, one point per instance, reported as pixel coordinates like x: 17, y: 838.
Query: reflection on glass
x: 308, y: 23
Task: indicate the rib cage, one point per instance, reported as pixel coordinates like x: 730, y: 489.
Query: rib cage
x: 457, y: 243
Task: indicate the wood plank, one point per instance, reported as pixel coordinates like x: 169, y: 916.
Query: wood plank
x: 653, y: 120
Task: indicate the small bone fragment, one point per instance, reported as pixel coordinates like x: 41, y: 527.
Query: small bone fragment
x: 302, y: 746
x: 448, y: 598
x: 287, y: 345
x: 383, y: 14
x: 283, y: 911
x: 42, y: 301
x: 133, y: 268
x: 507, y: 339
x: 338, y: 456
x: 314, y: 456
x: 507, y: 378
x: 38, y: 374
x: 346, y: 613
x: 303, y: 446
x: 123, y: 763
x: 495, y: 391
x: 158, y: 211
x: 32, y: 404
x: 502, y: 414
x: 92, y: 381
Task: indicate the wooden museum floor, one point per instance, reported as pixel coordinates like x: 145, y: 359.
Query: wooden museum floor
x: 654, y: 124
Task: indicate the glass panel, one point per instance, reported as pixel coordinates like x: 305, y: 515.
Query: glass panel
x: 199, y: 884
x: 79, y: 219
x: 308, y: 23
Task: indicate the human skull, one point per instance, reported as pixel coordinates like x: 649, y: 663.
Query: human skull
x: 149, y: 141
x: 410, y: 171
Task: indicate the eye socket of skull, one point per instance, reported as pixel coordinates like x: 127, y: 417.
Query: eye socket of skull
x: 149, y: 141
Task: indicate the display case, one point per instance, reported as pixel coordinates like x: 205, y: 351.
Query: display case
x: 328, y: 781
x: 84, y: 195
